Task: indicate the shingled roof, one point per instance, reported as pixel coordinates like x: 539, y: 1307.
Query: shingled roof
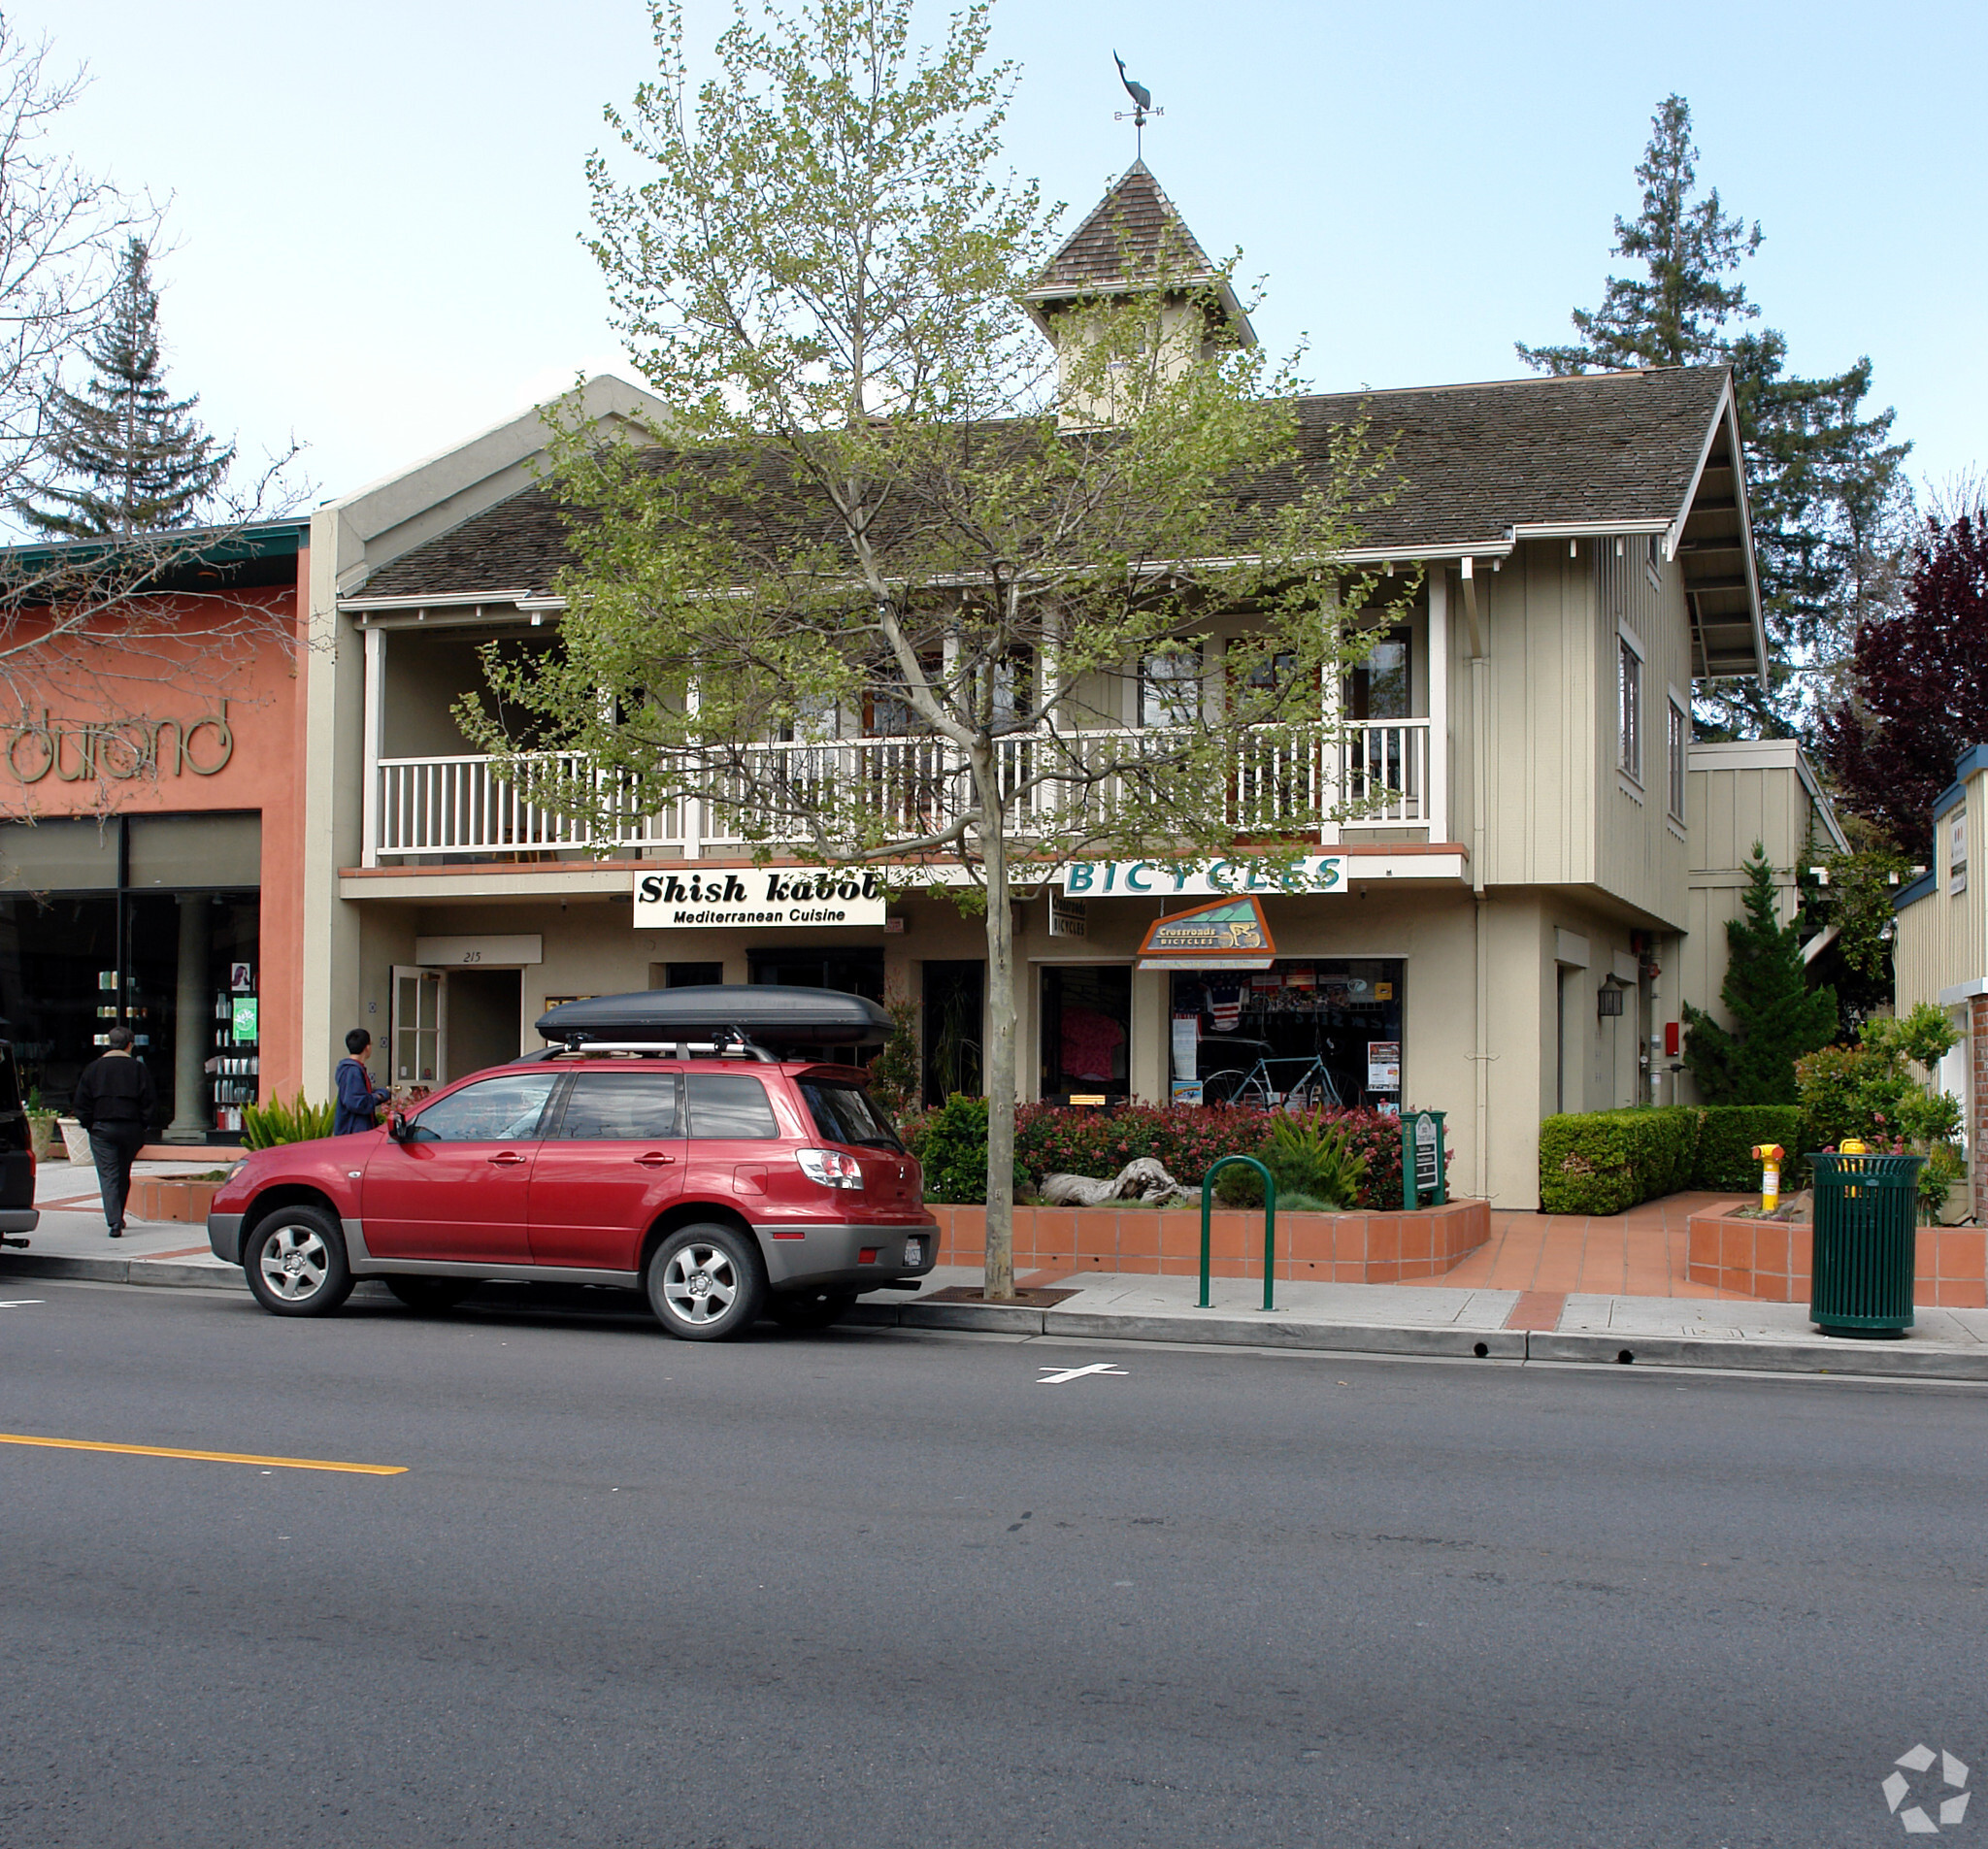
x: 1133, y: 238
x: 1135, y: 232
x: 1480, y: 468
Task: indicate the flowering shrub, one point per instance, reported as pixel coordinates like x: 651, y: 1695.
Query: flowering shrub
x: 1187, y: 1139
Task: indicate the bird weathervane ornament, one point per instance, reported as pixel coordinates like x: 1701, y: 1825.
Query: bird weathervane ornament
x: 1141, y: 105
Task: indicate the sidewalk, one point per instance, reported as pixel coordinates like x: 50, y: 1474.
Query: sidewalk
x: 1447, y: 1318
x: 1511, y: 1301
x: 71, y: 1241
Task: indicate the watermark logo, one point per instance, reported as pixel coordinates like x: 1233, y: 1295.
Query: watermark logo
x: 1947, y: 1793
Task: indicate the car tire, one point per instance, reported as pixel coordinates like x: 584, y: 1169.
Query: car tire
x: 705, y: 1283
x: 809, y: 1310
x: 430, y: 1296
x: 296, y: 1263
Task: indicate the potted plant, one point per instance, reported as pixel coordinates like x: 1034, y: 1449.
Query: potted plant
x: 41, y: 1125
x: 76, y: 1139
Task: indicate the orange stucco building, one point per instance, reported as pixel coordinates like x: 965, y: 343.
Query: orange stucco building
x: 151, y: 825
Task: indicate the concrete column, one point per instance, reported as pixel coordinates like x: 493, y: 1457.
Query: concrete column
x: 193, y: 1006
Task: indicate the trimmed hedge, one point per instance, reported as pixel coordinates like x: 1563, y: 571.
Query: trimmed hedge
x: 1608, y: 1161
x: 1727, y: 1138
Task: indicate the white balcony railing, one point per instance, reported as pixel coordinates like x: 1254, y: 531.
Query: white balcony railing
x: 450, y: 807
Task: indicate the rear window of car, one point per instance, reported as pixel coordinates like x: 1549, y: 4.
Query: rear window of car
x: 847, y: 1113
x: 620, y: 1107
x: 725, y: 1105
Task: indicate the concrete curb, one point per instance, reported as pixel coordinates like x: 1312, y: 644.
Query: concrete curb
x: 1866, y: 1360
x: 1869, y: 1359
x: 123, y: 1271
x: 1266, y: 1331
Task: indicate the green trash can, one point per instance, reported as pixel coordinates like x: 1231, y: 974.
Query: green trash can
x: 1867, y: 1216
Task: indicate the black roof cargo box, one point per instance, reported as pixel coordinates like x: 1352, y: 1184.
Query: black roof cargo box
x: 766, y: 1014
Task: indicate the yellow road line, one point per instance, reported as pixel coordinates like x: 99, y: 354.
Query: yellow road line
x: 207, y: 1457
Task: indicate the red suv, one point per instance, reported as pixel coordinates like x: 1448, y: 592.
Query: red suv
x: 724, y: 1180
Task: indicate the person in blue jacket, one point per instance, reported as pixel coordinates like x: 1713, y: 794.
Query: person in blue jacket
x: 357, y: 1097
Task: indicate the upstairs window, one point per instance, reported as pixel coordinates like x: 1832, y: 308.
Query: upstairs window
x: 1957, y: 851
x: 1170, y: 688
x: 1628, y: 707
x: 1677, y: 739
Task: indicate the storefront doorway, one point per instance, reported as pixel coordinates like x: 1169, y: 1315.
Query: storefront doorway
x: 1304, y: 1032
x: 1086, y: 1033
x: 956, y: 1001
x: 152, y: 922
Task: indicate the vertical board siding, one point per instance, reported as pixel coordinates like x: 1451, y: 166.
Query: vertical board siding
x: 1943, y: 939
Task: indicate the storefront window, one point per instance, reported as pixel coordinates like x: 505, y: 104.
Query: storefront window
x: 1086, y: 1040
x: 1303, y: 1033
x: 151, y: 921
x: 857, y: 969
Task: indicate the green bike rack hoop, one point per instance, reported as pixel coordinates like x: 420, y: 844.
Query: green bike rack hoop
x: 1270, y: 1225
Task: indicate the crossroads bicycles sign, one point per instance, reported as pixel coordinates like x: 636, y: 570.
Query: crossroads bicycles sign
x: 1229, y: 935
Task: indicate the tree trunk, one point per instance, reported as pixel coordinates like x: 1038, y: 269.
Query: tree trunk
x: 1000, y: 1064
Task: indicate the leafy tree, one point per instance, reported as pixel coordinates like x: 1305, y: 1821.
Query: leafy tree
x: 125, y: 457
x: 1825, y: 484
x: 1777, y: 1017
x: 1918, y: 698
x: 874, y: 591
x: 1855, y: 899
x: 1869, y: 1091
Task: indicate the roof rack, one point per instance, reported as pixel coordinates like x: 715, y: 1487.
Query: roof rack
x: 721, y: 1045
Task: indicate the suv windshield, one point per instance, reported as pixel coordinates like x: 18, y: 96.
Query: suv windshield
x: 847, y: 1114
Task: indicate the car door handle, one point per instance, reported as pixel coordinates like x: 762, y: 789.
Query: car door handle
x: 510, y: 1158
x: 655, y: 1160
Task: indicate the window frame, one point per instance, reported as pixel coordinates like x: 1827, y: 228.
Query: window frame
x: 1676, y: 753
x: 1956, y: 833
x: 1629, y: 704
x: 1165, y: 686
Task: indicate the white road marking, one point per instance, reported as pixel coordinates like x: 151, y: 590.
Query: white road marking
x: 1060, y: 1375
x: 18, y: 1302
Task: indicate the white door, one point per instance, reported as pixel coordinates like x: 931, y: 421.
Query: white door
x: 421, y: 1025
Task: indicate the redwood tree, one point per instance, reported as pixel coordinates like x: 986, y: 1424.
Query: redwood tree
x: 1919, y: 688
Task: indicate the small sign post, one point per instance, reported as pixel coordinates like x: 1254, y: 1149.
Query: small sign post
x: 1424, y: 1181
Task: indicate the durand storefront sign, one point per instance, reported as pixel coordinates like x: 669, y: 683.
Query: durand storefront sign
x: 763, y: 897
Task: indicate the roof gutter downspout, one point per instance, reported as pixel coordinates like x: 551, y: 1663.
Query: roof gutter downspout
x: 1480, y: 756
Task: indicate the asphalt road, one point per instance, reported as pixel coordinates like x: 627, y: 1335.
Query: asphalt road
x: 884, y: 1588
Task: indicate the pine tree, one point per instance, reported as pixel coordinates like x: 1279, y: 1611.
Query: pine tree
x: 1777, y: 1017
x: 125, y: 458
x: 1824, y: 482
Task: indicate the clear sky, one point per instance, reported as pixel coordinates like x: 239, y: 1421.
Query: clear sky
x: 375, y: 206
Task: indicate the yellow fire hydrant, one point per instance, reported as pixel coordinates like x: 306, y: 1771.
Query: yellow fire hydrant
x: 1768, y: 1156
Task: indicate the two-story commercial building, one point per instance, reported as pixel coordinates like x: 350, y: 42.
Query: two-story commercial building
x: 1499, y: 930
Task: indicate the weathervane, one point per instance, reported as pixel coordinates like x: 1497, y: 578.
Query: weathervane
x: 1141, y: 105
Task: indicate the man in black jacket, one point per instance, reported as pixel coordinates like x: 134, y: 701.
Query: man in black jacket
x: 113, y: 1102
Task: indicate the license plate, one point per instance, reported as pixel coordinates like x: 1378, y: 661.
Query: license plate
x: 914, y: 1251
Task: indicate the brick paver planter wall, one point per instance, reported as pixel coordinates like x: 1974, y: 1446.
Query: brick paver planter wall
x: 1334, y: 1248
x: 1773, y: 1260
x: 160, y: 1198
